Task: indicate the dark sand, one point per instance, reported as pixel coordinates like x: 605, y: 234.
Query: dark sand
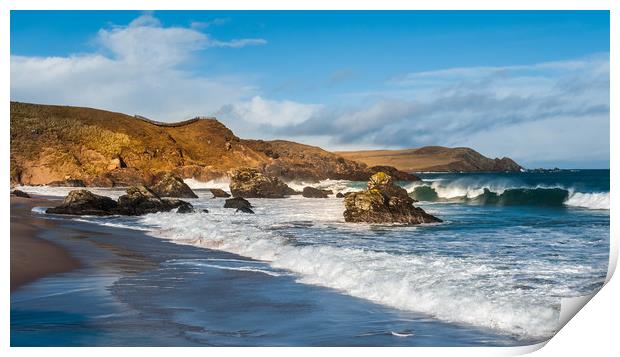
x: 31, y: 256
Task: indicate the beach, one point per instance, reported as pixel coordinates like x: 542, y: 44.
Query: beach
x: 31, y: 256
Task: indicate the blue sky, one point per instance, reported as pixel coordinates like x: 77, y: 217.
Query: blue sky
x: 530, y: 85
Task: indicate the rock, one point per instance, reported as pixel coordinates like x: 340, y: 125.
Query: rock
x: 237, y: 202
x: 67, y: 183
x: 394, y: 173
x: 141, y: 200
x: 172, y: 186
x: 123, y: 177
x: 218, y: 192
x: 19, y: 193
x: 339, y: 195
x: 311, y: 192
x: 185, y: 208
x: 205, y: 211
x: 83, y: 202
x: 250, y: 183
x: 244, y: 210
x: 384, y: 202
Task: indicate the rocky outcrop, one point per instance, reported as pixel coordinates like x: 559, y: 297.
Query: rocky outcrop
x: 141, y: 200
x: 250, y: 183
x: 83, y: 202
x: 244, y: 210
x: 124, y: 177
x: 138, y: 200
x: 172, y: 186
x: 339, y: 195
x: 218, y: 192
x: 67, y: 183
x: 384, y: 202
x: 19, y: 193
x: 237, y: 202
x: 311, y: 192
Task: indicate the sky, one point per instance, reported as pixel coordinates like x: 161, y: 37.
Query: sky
x: 530, y: 85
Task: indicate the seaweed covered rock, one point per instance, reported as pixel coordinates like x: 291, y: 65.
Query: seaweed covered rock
x: 172, y: 186
x: 311, y: 192
x: 19, y: 193
x: 251, y: 183
x: 237, y: 202
x: 141, y: 200
x: 138, y: 200
x: 384, y: 202
x: 84, y: 202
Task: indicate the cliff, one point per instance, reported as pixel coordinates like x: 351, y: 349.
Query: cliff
x: 102, y: 148
x: 433, y: 158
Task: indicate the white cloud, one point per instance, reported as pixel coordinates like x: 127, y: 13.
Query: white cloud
x: 138, y: 69
x: 273, y: 113
x: 526, y: 111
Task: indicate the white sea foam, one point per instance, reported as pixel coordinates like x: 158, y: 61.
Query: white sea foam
x: 334, y: 185
x: 221, y: 183
x: 595, y: 200
x: 246, y: 268
x: 449, y: 289
x: 50, y: 191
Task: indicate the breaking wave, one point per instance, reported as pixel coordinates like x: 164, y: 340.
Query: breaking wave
x: 508, y: 196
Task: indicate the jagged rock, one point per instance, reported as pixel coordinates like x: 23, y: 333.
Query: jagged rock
x: 244, y: 210
x: 83, y: 202
x: 311, y: 192
x: 141, y: 200
x: 19, y: 193
x: 67, y: 183
x: 172, y: 186
x: 237, y: 202
x: 218, y: 192
x: 339, y: 195
x: 185, y: 208
x: 250, y: 183
x: 384, y: 202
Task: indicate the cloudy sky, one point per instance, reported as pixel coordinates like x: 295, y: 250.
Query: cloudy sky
x: 530, y: 85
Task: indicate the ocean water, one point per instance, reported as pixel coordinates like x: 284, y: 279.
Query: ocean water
x: 511, y: 246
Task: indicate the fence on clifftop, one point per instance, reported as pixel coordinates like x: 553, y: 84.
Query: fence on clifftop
x: 176, y: 124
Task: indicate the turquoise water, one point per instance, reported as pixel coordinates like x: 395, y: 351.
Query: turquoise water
x: 511, y: 246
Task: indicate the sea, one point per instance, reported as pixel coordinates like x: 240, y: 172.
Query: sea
x: 511, y: 246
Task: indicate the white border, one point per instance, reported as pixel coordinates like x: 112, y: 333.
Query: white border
x: 592, y: 330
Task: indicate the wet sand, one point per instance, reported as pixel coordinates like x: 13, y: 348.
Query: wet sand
x: 31, y: 256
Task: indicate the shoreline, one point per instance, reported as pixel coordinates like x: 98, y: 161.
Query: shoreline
x: 129, y: 278
x: 33, y: 257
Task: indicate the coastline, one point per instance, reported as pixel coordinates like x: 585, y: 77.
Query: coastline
x: 133, y: 289
x: 33, y: 257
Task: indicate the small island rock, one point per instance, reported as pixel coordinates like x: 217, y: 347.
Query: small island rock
x: 384, y: 202
x: 218, y: 192
x: 251, y: 183
x: 172, y: 186
x: 311, y: 192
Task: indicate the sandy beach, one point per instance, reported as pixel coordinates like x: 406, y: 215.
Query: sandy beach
x: 31, y: 256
